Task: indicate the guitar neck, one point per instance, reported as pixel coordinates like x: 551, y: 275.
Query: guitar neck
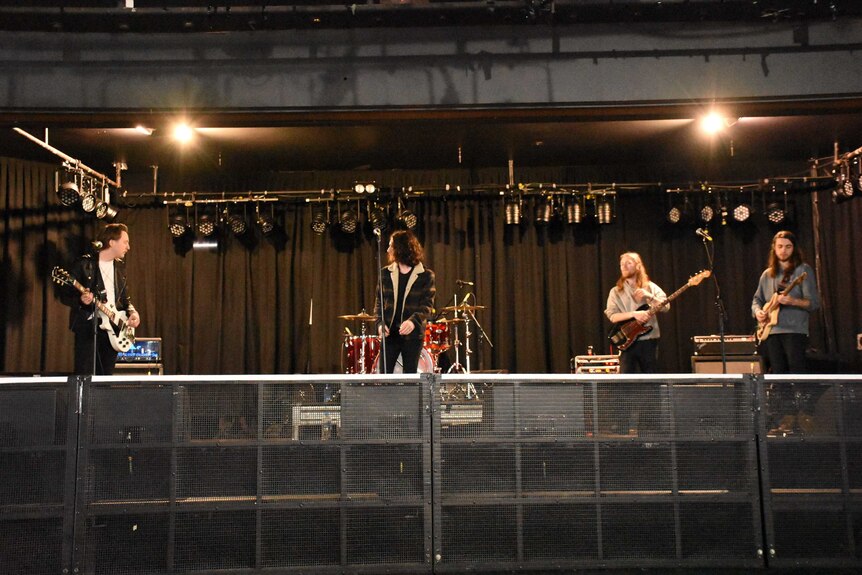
x: 653, y: 309
x: 99, y: 305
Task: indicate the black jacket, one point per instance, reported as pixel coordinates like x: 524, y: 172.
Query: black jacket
x: 84, y: 270
x: 418, y: 302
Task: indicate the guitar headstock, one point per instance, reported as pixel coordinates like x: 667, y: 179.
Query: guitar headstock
x: 62, y: 277
x: 699, y: 277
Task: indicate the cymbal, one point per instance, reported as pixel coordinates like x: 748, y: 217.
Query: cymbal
x: 453, y: 320
x: 359, y: 316
x: 463, y: 307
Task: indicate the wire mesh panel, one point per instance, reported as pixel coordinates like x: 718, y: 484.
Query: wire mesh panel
x: 599, y: 471
x: 473, y: 535
x: 31, y: 546
x: 391, y: 534
x: 643, y: 531
x: 300, y: 537
x: 294, y: 471
x: 810, y: 439
x: 128, y: 543
x: 33, y: 474
x: 215, y: 540
x: 561, y: 532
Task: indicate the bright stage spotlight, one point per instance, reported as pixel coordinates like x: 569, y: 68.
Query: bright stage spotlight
x: 363, y: 188
x: 742, y: 212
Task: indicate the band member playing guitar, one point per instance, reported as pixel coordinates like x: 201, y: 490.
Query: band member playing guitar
x: 782, y: 304
x: 630, y: 299
x: 105, y: 275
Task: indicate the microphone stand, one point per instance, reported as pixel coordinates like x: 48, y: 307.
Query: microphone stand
x: 719, y: 303
x: 382, y: 364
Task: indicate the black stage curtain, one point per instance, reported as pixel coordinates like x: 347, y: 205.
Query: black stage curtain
x: 271, y: 305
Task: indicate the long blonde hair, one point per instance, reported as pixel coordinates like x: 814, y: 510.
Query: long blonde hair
x: 642, y: 278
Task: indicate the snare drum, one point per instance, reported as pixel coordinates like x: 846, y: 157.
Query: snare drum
x: 426, y: 363
x: 358, y: 353
x: 436, y: 337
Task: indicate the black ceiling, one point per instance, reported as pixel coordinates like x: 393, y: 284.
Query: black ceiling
x: 150, y: 16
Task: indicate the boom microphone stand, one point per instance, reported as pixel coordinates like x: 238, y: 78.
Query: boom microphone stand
x: 719, y: 303
x: 382, y: 363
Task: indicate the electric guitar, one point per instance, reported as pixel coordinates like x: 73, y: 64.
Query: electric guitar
x: 625, y: 333
x: 771, y: 308
x: 113, y: 321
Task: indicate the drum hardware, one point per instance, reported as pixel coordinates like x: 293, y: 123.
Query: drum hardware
x: 359, y: 351
x: 361, y: 316
x: 464, y: 314
x: 463, y: 307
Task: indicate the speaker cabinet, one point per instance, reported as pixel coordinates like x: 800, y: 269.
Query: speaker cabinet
x: 735, y: 364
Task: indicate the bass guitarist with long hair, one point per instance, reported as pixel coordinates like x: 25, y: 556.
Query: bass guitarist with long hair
x: 785, y: 297
x: 630, y: 299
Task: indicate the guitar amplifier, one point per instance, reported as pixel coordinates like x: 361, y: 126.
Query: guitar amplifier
x: 144, y: 350
x: 733, y: 345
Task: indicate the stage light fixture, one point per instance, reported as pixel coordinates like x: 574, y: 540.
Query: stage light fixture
x: 707, y: 214
x: 206, y: 225
x: 265, y: 221
x: 68, y: 191
x: 674, y: 214
x: 88, y: 194
x: 320, y: 220
x: 775, y: 213
x: 574, y: 210
x: 179, y: 226
x: 105, y: 211
x: 363, y: 188
x: 544, y: 210
x: 513, y: 210
x: 377, y: 217
x: 349, y: 222
x: 843, y: 181
x: 605, y: 212
x: 237, y: 224
x: 742, y: 212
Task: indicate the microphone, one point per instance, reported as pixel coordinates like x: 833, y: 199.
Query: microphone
x: 704, y: 234
x: 463, y: 283
x: 377, y: 232
x: 96, y: 245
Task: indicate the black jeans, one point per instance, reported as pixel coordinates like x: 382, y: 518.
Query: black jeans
x: 106, y: 357
x: 641, y: 357
x: 408, y: 347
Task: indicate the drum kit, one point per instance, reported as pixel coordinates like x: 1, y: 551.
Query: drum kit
x: 359, y: 353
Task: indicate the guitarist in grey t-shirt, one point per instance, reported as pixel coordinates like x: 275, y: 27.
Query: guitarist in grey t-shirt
x: 628, y: 300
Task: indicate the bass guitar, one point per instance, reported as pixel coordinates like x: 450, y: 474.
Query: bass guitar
x: 625, y: 333
x: 113, y: 321
x: 772, y: 307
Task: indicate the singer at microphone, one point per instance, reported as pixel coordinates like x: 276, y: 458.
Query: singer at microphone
x: 704, y: 234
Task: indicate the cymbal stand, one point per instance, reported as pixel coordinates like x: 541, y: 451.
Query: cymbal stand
x: 362, y: 337
x: 456, y: 367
